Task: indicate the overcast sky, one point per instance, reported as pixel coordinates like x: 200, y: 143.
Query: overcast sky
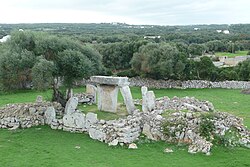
x: 160, y: 12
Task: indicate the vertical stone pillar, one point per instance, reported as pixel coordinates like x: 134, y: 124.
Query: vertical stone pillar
x: 144, y: 91
x: 128, y: 100
x: 148, y: 99
x: 91, y: 89
x: 107, y: 98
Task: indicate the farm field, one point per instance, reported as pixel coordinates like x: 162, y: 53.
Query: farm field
x: 41, y: 146
x: 237, y: 53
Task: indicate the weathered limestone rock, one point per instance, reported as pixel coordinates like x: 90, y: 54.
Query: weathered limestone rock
x: 49, y: 115
x: 74, y: 120
x: 39, y: 99
x: 91, y: 119
x: 107, y: 98
x: 132, y: 146
x: 97, y: 134
x: 108, y: 80
x: 71, y: 105
x: 32, y: 110
x: 144, y: 91
x: 150, y: 100
x: 146, y: 131
x: 128, y: 100
x: 114, y: 142
x: 92, y: 90
x: 168, y: 150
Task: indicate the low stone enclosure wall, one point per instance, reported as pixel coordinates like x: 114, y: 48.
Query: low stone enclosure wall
x: 139, y: 82
x: 188, y: 126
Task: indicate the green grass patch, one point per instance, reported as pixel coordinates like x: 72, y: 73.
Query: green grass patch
x: 237, y: 53
x: 41, y: 146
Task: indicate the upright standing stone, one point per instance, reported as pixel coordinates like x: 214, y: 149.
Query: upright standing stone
x: 128, y: 99
x: 150, y: 100
x: 144, y: 91
x: 91, y: 89
x: 71, y: 105
x: 107, y: 98
x: 39, y: 99
x: 91, y: 119
x: 49, y: 115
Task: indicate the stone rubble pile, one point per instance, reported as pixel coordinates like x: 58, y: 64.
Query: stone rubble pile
x: 225, y: 122
x: 184, y: 127
x: 185, y: 103
x: 85, y: 98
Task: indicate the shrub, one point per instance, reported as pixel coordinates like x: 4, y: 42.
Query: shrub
x: 207, y: 127
x: 231, y: 138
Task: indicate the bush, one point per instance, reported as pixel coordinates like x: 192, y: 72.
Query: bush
x: 248, y: 53
x: 231, y: 138
x: 207, y: 127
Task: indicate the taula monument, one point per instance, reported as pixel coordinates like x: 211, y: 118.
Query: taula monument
x: 107, y: 93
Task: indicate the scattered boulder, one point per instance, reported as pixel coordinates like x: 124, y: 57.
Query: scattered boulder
x: 114, y: 143
x: 246, y: 91
x: 97, y: 134
x: 168, y: 150
x: 132, y: 146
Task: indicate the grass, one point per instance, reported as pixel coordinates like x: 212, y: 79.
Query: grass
x: 237, y: 53
x: 41, y: 146
x: 48, y: 148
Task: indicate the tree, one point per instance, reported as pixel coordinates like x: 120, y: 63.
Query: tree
x: 73, y: 65
x: 15, y: 69
x: 196, y: 49
x: 42, y: 74
x: 205, y: 69
x: 43, y: 59
x: 158, y: 61
x: 243, y: 70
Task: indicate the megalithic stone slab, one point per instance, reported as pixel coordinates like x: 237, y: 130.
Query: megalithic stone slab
x: 49, y: 115
x: 108, y: 80
x: 150, y: 100
x: 128, y: 99
x: 144, y: 91
x: 107, y: 98
x: 91, y: 89
x: 71, y: 105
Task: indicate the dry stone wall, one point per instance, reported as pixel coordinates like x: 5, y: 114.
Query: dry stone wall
x: 139, y: 82
x: 26, y: 115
